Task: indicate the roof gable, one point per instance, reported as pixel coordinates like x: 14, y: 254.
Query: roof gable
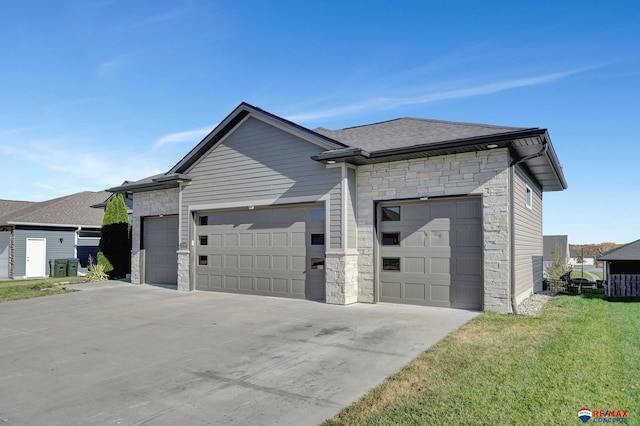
x: 236, y: 118
x: 550, y: 242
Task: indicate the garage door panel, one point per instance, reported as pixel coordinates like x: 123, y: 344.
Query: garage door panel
x: 415, y: 291
x: 440, y: 253
x: 160, y: 242
x: 272, y: 246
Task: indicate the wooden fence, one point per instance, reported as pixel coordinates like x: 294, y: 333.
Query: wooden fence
x: 622, y: 285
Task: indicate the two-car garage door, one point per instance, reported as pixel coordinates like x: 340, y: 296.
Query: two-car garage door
x: 431, y: 252
x: 276, y: 251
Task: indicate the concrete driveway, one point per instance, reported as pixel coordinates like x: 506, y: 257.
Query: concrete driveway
x: 122, y: 354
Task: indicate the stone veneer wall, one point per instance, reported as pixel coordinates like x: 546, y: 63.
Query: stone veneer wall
x: 152, y: 203
x: 483, y: 173
x: 341, y: 277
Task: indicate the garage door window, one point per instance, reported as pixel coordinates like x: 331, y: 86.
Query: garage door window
x: 317, y: 263
x: 391, y: 213
x: 203, y: 260
x: 317, y: 239
x: 391, y: 264
x: 390, y: 238
x: 204, y: 240
x: 203, y: 220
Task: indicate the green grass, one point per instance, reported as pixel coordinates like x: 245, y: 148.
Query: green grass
x: 577, y: 273
x: 26, y: 289
x: 581, y: 351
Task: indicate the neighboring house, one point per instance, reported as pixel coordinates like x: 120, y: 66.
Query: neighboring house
x: 622, y: 266
x: 551, y: 243
x: 405, y: 211
x: 33, y: 233
x: 623, y: 260
x: 574, y: 259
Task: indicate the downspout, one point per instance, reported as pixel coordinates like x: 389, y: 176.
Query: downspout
x: 512, y: 226
x: 75, y: 243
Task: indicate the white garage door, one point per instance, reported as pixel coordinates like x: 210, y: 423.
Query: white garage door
x: 160, y: 242
x: 277, y: 251
x: 431, y: 252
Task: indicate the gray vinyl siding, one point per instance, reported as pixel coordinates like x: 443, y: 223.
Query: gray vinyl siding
x: 55, y: 249
x: 528, y: 247
x: 352, y: 228
x: 258, y: 161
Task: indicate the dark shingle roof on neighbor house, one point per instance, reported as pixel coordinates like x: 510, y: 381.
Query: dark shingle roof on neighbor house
x: 71, y: 210
x: 629, y: 251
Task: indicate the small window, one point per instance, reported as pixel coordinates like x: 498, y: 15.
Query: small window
x: 528, y: 198
x: 390, y: 213
x: 204, y: 240
x: 317, y: 239
x: 317, y: 263
x: 203, y: 260
x: 88, y: 234
x: 391, y: 264
x: 317, y: 214
x: 203, y: 220
x: 390, y: 238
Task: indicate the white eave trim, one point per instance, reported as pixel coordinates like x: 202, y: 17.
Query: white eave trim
x: 55, y: 225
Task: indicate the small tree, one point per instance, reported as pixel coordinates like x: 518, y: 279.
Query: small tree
x: 559, y: 265
x: 115, y: 245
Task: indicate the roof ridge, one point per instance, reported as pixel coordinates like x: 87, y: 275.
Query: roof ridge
x: 430, y: 120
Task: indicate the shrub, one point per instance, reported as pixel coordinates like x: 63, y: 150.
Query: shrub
x: 95, y: 271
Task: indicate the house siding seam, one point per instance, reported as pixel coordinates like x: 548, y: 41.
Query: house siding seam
x: 151, y: 203
x: 484, y: 173
x: 528, y: 241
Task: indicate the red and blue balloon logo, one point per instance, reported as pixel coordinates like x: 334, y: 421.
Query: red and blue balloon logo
x: 584, y: 414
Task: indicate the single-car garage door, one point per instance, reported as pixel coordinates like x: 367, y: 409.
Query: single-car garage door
x: 276, y: 251
x: 431, y: 252
x: 160, y: 243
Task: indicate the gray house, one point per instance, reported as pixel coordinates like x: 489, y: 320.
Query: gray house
x: 33, y: 233
x: 405, y: 211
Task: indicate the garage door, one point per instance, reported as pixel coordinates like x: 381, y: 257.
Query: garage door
x: 431, y: 253
x: 265, y: 251
x: 160, y: 242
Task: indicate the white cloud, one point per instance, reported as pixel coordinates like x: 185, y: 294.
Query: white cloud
x: 113, y: 64
x: 383, y: 103
x: 193, y: 136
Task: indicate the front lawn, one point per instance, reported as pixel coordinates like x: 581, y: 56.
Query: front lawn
x: 581, y: 351
x: 26, y: 289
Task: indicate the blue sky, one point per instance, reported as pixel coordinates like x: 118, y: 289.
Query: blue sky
x: 93, y: 93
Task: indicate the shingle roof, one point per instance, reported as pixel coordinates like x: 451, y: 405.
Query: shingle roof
x: 406, y: 132
x: 9, y: 206
x: 71, y: 210
x: 629, y: 251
